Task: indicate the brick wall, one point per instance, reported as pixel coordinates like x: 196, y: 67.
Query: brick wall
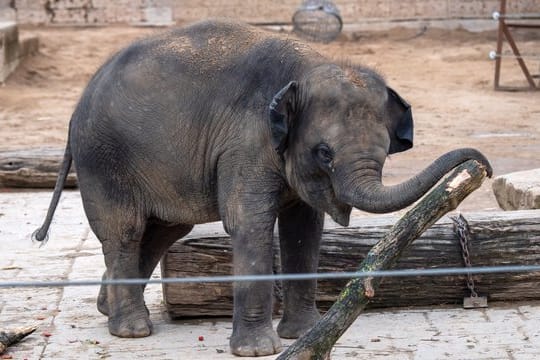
x: 254, y: 11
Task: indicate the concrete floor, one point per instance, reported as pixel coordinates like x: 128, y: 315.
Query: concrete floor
x: 70, y: 327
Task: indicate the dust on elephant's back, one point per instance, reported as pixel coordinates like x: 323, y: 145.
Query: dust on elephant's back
x: 207, y: 53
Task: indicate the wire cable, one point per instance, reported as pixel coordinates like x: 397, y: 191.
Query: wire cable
x: 278, y: 277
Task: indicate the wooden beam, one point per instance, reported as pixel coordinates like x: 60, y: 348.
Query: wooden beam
x: 504, y: 33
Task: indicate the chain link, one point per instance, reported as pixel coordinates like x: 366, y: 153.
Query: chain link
x: 461, y: 228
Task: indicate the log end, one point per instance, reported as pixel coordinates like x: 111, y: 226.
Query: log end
x: 369, y: 291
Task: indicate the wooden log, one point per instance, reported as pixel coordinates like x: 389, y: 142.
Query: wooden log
x: 498, y: 238
x: 32, y: 168
x: 203, y: 253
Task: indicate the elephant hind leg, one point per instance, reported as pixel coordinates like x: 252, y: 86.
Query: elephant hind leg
x: 120, y: 230
x: 155, y: 241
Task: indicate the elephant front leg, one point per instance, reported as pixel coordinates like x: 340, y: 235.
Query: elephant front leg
x: 253, y: 334
x: 248, y: 202
x: 300, y: 229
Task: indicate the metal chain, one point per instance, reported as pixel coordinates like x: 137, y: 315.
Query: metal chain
x: 461, y: 228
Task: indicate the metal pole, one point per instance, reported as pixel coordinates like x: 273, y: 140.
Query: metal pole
x: 504, y: 31
x: 499, y: 46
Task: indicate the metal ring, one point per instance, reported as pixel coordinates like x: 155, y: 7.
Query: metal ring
x: 317, y: 20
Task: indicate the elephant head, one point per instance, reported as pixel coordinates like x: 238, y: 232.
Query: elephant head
x: 334, y: 128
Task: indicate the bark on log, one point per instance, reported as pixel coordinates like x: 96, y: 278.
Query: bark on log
x: 318, y: 342
x: 11, y: 337
x: 497, y: 238
x: 206, y: 252
x: 32, y: 168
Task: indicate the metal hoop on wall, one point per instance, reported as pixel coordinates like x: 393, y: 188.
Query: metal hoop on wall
x: 317, y: 20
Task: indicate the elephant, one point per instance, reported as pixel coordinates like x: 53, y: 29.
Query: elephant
x: 221, y: 121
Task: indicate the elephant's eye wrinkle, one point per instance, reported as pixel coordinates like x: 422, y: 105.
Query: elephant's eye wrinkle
x: 324, y: 154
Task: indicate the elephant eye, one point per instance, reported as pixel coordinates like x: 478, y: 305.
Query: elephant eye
x: 324, y: 154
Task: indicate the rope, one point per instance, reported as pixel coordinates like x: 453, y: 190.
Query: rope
x: 278, y: 277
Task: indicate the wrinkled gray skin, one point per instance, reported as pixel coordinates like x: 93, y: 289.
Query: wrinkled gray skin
x: 219, y: 121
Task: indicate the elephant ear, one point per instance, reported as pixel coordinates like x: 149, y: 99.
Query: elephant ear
x: 401, y: 123
x: 281, y: 111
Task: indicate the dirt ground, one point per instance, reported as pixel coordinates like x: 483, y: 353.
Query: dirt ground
x: 446, y: 76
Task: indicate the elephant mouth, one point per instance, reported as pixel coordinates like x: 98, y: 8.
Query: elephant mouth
x: 340, y: 213
x: 325, y: 199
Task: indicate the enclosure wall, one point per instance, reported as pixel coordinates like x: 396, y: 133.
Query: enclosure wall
x: 253, y: 11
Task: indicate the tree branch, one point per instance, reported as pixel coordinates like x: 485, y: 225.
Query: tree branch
x: 11, y: 337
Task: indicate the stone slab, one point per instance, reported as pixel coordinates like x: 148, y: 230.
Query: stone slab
x: 28, y: 45
x: 156, y: 16
x: 70, y: 327
x: 519, y: 190
x: 9, y: 48
x: 7, y: 13
x: 13, y: 48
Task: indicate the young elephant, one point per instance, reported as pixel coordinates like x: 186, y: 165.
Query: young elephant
x: 220, y: 121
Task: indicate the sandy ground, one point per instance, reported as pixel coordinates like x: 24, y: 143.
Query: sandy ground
x: 445, y: 75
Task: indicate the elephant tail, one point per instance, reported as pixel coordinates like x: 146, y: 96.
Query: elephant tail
x: 41, y: 235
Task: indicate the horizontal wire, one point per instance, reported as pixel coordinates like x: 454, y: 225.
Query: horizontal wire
x: 278, y: 277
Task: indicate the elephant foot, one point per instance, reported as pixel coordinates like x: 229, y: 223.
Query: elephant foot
x: 294, y: 326
x: 102, y: 302
x: 255, y: 342
x: 133, y: 325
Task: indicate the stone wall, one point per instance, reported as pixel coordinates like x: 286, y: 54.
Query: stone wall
x: 159, y: 12
x: 14, y: 49
x: 9, y: 49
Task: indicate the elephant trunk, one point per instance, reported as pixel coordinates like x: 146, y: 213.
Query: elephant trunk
x: 369, y: 194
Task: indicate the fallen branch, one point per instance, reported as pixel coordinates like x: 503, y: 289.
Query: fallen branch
x: 11, y: 337
x: 318, y: 342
